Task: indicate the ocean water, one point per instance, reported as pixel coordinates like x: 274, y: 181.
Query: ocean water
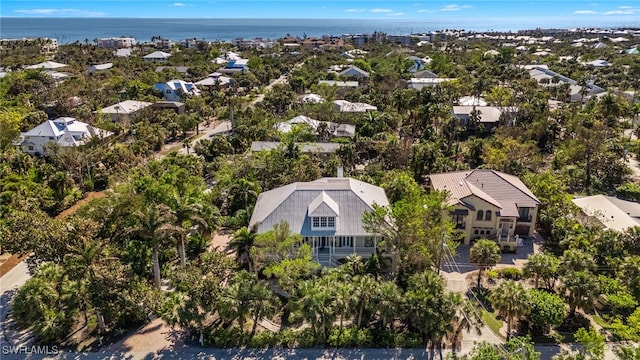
x: 68, y: 30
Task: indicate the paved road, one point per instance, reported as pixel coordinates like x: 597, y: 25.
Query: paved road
x: 196, y: 352
x: 9, y: 283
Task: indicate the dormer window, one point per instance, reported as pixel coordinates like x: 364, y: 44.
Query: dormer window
x: 323, y: 222
x: 323, y: 211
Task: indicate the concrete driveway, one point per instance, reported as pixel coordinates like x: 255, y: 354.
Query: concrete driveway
x: 461, y: 263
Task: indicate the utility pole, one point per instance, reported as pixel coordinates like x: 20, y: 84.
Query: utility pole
x: 442, y: 248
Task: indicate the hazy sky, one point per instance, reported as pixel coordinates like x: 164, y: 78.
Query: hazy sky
x: 599, y: 11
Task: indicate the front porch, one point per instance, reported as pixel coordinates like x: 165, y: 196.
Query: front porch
x: 328, y: 250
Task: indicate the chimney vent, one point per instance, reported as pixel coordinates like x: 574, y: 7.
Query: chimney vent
x: 340, y: 171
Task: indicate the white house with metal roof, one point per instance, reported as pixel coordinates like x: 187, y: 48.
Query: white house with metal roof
x: 177, y: 90
x: 124, y: 110
x: 488, y: 115
x: 64, y: 131
x: 347, y: 106
x: 335, y: 129
x: 489, y: 204
x: 157, y: 56
x: 327, y: 213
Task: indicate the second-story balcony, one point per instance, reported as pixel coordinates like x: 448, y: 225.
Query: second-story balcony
x: 527, y: 218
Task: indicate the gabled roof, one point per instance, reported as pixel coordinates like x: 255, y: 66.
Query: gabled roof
x: 176, y: 84
x: 180, y: 69
x: 65, y: 131
x: 311, y: 147
x: 487, y: 114
x: 323, y: 205
x: 157, y: 55
x: 311, y: 98
x: 122, y: 52
x: 293, y: 203
x: 505, y: 191
x: 354, y: 71
x: 47, y: 65
x: 472, y: 100
x: 338, y: 83
x: 613, y: 213
x: 335, y: 128
x: 98, y: 67
x: 300, y: 119
x: 215, y: 78
x: 347, y: 106
x: 419, y: 83
x: 126, y: 107
x: 425, y: 74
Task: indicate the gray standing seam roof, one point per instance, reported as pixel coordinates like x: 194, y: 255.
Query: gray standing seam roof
x: 291, y: 203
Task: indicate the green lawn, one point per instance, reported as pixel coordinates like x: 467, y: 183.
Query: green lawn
x: 491, y: 321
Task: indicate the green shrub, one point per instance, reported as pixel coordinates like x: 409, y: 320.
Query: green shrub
x: 350, y: 337
x: 306, y: 338
x: 492, y: 274
x: 547, y: 310
x: 195, y: 245
x: 263, y: 339
x: 395, y: 339
x: 511, y: 273
x: 629, y: 191
x: 225, y: 338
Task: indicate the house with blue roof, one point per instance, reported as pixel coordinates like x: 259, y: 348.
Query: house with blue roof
x: 177, y: 90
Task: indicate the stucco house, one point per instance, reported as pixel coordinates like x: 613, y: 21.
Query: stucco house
x: 327, y: 213
x: 489, y: 204
x: 176, y: 90
x: 64, y: 131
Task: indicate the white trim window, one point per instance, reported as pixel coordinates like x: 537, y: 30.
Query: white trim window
x: 323, y: 222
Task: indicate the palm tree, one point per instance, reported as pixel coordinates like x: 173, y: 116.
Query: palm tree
x: 82, y: 261
x: 154, y: 224
x: 484, y: 254
x: 511, y: 300
x: 248, y: 189
x: 467, y: 318
x: 263, y: 304
x: 242, y: 242
x: 542, y: 266
x: 580, y: 290
x: 316, y: 305
x: 388, y: 302
x: 574, y: 260
x: 233, y: 304
x: 187, y: 213
x: 364, y: 293
x: 343, y: 300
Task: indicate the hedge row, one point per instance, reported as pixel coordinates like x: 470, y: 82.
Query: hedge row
x: 629, y: 191
x: 288, y: 338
